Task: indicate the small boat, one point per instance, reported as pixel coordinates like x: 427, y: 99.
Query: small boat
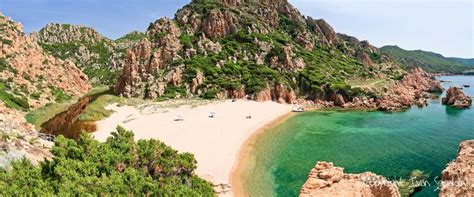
x: 298, y: 109
x: 466, y: 85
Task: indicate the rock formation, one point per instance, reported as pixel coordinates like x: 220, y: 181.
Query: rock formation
x: 456, y: 98
x: 458, y: 177
x: 99, y: 57
x: 38, y: 76
x: 261, y: 49
x: 413, y: 89
x: 326, y: 180
x: 19, y: 139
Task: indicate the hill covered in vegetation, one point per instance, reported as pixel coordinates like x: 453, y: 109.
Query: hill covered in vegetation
x: 264, y: 49
x: 429, y: 61
x: 100, y: 58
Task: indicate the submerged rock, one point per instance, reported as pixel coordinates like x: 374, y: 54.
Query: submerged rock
x: 458, y: 177
x: 456, y: 98
x: 327, y: 180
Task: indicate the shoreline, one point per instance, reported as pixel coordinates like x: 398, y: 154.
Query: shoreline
x: 215, y: 142
x: 243, y: 156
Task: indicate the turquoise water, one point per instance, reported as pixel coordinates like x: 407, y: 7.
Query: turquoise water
x: 389, y: 144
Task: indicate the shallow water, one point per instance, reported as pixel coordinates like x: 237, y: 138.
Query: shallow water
x: 67, y: 123
x: 389, y: 144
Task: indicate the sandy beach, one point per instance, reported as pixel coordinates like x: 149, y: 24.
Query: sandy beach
x: 215, y: 142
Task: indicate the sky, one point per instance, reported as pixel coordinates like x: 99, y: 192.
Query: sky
x: 442, y: 26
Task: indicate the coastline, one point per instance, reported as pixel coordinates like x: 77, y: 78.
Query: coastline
x: 215, y: 142
x: 243, y: 156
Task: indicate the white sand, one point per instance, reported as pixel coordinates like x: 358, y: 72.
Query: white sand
x: 215, y: 142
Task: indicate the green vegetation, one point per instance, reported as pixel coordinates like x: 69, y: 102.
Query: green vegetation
x: 59, y: 94
x: 12, y: 101
x: 429, y: 61
x: 132, y: 36
x: 43, y: 114
x: 204, y: 6
x: 326, y: 68
x: 96, y: 111
x: 467, y: 62
x: 119, y: 166
x: 97, y: 68
x: 4, y: 65
x: 6, y: 41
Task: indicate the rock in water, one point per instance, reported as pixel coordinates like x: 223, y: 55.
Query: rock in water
x: 458, y: 178
x: 456, y: 98
x: 327, y: 180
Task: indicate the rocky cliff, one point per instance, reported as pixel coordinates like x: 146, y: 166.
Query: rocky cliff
x: 328, y: 180
x: 458, y: 177
x: 456, y: 98
x: 19, y: 139
x: 100, y: 58
x: 264, y: 49
x: 29, y: 77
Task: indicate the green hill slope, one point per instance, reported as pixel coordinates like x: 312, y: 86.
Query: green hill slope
x: 429, y: 61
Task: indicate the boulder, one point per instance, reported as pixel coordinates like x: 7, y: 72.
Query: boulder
x: 458, y: 177
x: 327, y: 180
x: 455, y: 97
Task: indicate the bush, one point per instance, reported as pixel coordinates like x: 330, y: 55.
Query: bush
x: 4, y: 65
x: 59, y: 94
x: 118, y: 167
x: 210, y: 94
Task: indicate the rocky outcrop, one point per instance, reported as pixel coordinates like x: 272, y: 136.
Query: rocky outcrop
x: 456, y: 98
x: 278, y: 93
x: 458, y: 177
x: 414, y: 88
x: 30, y: 69
x: 19, y: 139
x: 64, y: 33
x: 287, y: 60
x: 327, y: 31
x: 327, y: 180
x: 99, y: 56
x: 218, y: 24
x: 141, y: 76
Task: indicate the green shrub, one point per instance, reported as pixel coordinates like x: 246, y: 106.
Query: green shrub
x: 210, y: 94
x: 4, y: 65
x: 36, y: 95
x: 119, y: 166
x: 59, y: 94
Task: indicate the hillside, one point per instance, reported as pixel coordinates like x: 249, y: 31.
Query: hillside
x: 100, y: 58
x: 429, y: 61
x: 29, y: 77
x: 265, y: 49
x: 467, y: 62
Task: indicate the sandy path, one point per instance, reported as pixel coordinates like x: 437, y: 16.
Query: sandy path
x: 215, y: 142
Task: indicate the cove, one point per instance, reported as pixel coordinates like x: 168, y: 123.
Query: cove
x: 388, y: 144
